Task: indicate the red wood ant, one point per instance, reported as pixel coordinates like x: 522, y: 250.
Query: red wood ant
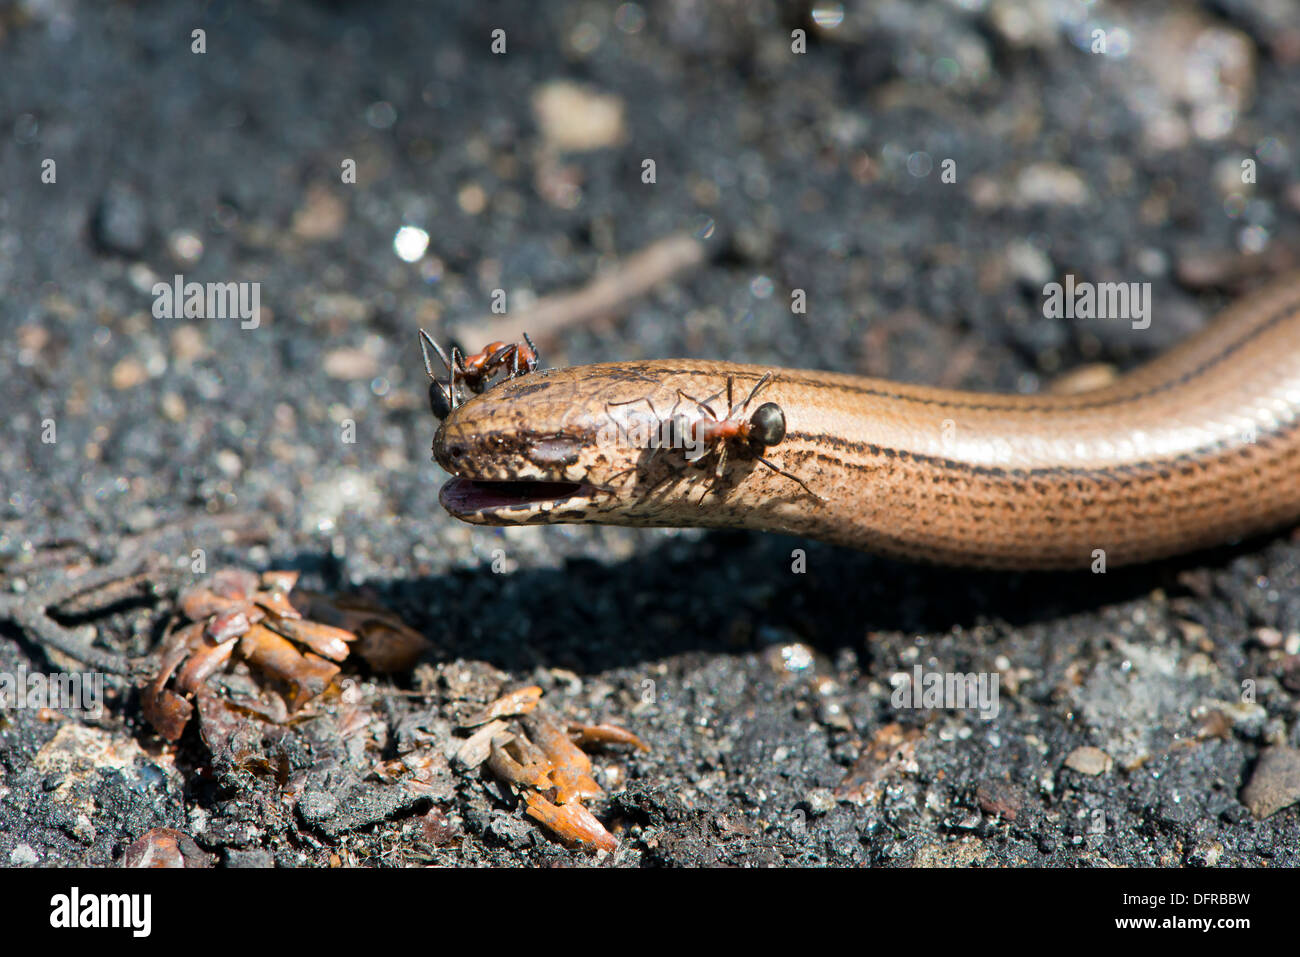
x: 517, y: 358
x: 764, y: 428
x: 474, y: 371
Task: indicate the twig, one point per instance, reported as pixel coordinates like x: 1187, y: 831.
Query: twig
x: 607, y: 294
x: 105, y: 586
x: 1233, y: 271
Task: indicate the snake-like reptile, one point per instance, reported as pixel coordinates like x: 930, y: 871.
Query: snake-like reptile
x: 1199, y: 447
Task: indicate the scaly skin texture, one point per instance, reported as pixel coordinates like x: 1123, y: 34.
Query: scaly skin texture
x: 1198, y: 447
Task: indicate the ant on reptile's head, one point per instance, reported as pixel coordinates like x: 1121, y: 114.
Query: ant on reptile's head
x: 474, y: 371
x: 764, y: 427
x: 441, y: 398
x: 516, y: 358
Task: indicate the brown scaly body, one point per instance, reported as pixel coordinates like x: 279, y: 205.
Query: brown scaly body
x: 1198, y: 447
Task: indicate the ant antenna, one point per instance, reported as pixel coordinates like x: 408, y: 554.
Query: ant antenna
x: 448, y: 393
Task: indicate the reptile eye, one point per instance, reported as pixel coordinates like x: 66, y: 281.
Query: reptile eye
x: 553, y: 452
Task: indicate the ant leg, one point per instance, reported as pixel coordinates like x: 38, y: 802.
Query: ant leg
x: 645, y: 495
x: 654, y: 412
x: 667, y: 478
x: 702, y: 405
x: 607, y: 489
x: 618, y: 425
x: 614, y: 478
x: 457, y: 363
x: 645, y: 399
x: 793, y: 478
x: 426, y: 339
x: 512, y: 371
x: 498, y: 357
x: 718, y: 469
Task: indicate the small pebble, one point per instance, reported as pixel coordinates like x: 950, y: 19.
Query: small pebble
x: 350, y: 364
x: 1268, y: 637
x: 1275, y: 783
x: 230, y: 464
x: 128, y: 374
x: 256, y: 858
x: 23, y: 856
x: 574, y: 118
x: 998, y: 798
x: 82, y: 829
x: 1089, y: 760
x: 820, y: 801
x: 1050, y: 184
x: 321, y: 216
x: 1206, y: 853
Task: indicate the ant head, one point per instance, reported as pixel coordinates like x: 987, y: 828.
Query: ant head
x: 439, y: 401
x: 767, y: 425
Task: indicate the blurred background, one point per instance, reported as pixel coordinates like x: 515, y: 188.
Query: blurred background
x: 523, y: 171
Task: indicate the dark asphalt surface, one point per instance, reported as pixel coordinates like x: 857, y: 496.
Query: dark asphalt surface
x: 764, y: 694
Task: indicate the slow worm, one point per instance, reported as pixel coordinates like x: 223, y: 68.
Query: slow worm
x: 1198, y: 447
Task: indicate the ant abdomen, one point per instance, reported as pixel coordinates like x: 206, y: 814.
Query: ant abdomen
x: 767, y: 425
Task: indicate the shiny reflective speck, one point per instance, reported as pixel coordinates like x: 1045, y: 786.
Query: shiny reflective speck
x: 828, y: 16
x: 409, y: 243
x: 796, y: 657
x: 186, y: 247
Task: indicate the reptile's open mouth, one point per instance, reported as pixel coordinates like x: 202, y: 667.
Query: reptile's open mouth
x: 474, y: 498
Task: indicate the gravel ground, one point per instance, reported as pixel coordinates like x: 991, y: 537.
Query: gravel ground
x: 1122, y: 737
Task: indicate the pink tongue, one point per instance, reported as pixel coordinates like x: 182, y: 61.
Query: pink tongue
x: 466, y: 495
